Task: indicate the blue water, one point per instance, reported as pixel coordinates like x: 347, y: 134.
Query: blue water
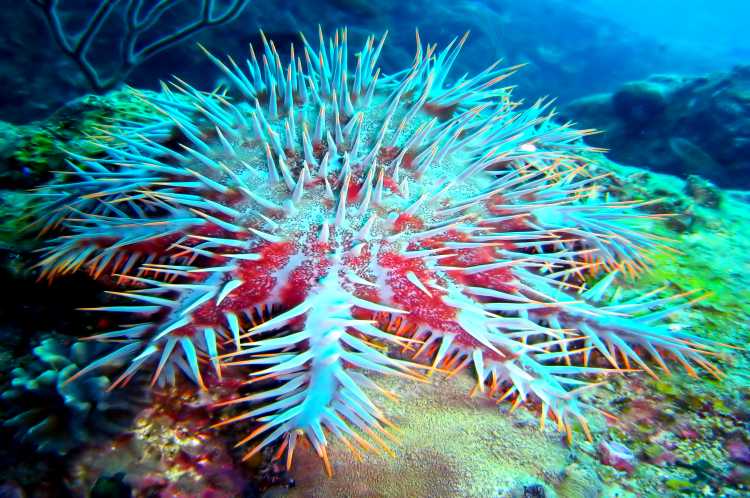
x: 572, y: 48
x: 715, y: 31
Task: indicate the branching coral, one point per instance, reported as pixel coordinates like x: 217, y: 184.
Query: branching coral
x: 325, y: 221
x: 56, y: 416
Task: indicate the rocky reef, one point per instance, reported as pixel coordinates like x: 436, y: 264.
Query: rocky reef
x: 688, y: 436
x: 676, y: 124
x: 676, y: 435
x: 37, y: 78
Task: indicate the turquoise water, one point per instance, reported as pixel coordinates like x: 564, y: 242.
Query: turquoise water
x: 717, y: 30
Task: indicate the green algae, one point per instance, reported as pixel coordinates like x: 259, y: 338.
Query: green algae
x: 39, y: 148
x: 666, y: 388
x: 653, y: 450
x: 678, y: 484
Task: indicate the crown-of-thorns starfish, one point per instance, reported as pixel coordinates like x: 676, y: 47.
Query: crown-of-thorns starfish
x: 321, y: 221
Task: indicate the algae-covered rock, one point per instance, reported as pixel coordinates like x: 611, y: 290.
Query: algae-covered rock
x: 676, y: 124
x: 30, y: 153
x: 678, y: 484
x: 703, y: 191
x: 169, y: 452
x: 580, y: 481
x: 9, y: 137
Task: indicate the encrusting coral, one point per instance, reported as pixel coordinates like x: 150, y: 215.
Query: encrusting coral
x: 56, y: 416
x: 321, y: 220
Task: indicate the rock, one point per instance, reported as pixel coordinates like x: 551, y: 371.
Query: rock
x: 580, y: 482
x: 9, y: 137
x: 10, y: 489
x: 30, y: 153
x: 694, y: 159
x: 639, y: 102
x: 596, y: 108
x: 704, y: 192
x: 617, y: 455
x: 111, y: 487
x: 534, y: 491
x: 676, y: 124
x: 738, y: 450
x: 740, y: 474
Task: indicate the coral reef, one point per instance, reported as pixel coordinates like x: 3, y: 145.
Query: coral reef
x: 57, y: 416
x: 27, y: 152
x: 676, y: 124
x: 312, y: 225
x: 37, y: 79
x: 168, y: 452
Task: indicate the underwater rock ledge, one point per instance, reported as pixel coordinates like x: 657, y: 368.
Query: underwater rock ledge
x: 676, y: 124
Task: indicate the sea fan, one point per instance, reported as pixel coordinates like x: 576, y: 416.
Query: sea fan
x: 320, y: 220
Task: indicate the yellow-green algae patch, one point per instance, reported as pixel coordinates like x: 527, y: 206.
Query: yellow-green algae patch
x: 43, y: 146
x: 714, y: 256
x: 450, y: 446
